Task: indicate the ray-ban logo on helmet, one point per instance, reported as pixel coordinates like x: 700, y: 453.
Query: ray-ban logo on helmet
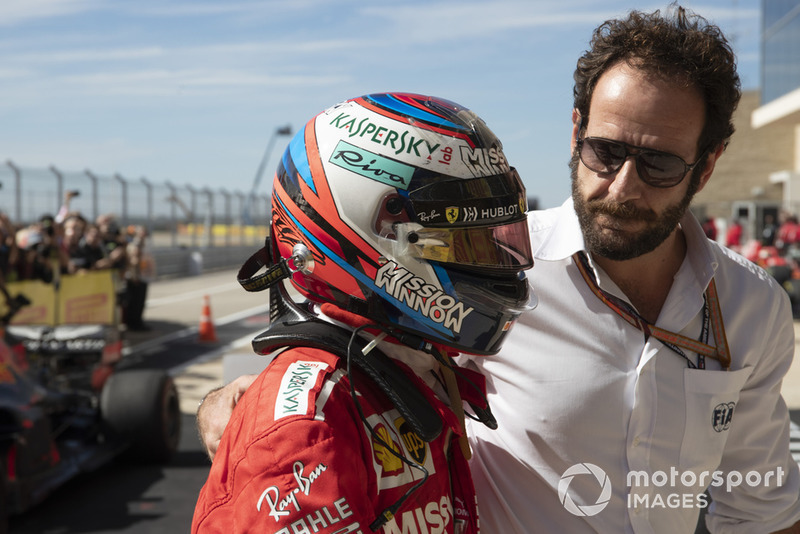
x: 371, y: 165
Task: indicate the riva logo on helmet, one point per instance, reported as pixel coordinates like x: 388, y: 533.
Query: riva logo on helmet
x: 372, y: 166
x: 484, y: 161
x: 424, y: 298
x: 399, y: 141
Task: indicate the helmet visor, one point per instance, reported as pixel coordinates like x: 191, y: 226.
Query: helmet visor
x: 484, y: 201
x: 505, y: 247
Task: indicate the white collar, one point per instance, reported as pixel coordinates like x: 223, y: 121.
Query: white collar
x: 560, y: 237
x: 559, y: 232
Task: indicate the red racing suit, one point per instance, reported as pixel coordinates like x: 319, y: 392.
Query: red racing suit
x: 296, y: 458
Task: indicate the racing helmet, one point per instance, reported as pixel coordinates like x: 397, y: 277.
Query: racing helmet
x: 406, y: 212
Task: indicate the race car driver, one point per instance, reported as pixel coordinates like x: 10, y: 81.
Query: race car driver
x: 398, y: 239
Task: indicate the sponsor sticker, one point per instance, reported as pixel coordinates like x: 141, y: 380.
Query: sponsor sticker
x: 414, y: 444
x: 433, y: 516
x: 281, y: 505
x: 372, y: 166
x: 388, y: 134
x: 299, y: 379
x: 484, y: 161
x: 412, y: 292
x: 386, y: 451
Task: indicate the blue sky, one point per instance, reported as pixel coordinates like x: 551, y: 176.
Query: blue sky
x: 191, y: 91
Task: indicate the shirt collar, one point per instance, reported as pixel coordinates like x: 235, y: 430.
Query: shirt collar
x: 560, y: 237
x: 699, y: 250
x: 560, y: 234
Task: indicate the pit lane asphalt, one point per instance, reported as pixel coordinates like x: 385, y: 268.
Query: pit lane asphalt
x: 160, y: 499
x: 153, y: 499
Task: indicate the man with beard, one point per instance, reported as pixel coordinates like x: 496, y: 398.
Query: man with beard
x: 651, y: 369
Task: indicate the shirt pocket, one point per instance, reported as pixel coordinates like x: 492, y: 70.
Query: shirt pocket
x: 711, y: 400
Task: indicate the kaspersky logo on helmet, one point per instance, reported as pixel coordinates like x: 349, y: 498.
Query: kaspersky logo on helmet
x: 389, y: 134
x: 413, y: 144
x: 427, y: 299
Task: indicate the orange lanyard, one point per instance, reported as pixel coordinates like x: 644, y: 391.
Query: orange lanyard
x: 670, y: 339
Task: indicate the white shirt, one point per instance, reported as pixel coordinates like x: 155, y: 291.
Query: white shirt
x: 575, y: 384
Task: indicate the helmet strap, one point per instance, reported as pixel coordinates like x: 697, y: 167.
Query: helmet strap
x: 456, y: 405
x: 276, y: 271
x: 300, y: 260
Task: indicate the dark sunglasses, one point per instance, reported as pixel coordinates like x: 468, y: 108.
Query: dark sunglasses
x: 655, y: 168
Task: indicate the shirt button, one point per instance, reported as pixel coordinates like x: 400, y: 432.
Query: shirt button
x: 636, y: 441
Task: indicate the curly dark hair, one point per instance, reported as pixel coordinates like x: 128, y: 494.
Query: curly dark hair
x: 680, y: 45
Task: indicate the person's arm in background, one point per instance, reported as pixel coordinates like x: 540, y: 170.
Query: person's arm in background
x: 63, y: 211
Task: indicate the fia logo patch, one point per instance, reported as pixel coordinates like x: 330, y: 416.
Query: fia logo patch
x: 722, y: 415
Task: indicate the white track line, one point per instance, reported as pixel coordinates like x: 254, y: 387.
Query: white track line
x: 154, y: 344
x: 189, y: 295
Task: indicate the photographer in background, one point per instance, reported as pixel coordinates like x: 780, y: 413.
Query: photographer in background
x: 113, y: 241
x: 137, y: 275
x: 65, y: 211
x: 32, y: 262
x: 8, y: 246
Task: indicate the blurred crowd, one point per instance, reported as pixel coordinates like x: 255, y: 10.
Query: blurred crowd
x: 68, y: 242
x: 783, y: 236
x: 776, y: 248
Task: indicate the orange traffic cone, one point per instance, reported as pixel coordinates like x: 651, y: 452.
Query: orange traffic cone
x: 206, y: 329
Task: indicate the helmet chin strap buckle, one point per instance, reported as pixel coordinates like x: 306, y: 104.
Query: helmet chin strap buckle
x: 301, y: 261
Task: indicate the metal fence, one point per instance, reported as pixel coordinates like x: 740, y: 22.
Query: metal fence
x: 176, y: 216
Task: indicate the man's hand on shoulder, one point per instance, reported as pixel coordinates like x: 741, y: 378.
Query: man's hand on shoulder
x: 215, y: 411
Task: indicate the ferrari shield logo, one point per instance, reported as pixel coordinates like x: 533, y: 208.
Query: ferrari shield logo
x: 452, y: 214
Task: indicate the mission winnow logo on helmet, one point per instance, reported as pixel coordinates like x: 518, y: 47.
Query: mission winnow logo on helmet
x: 424, y: 298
